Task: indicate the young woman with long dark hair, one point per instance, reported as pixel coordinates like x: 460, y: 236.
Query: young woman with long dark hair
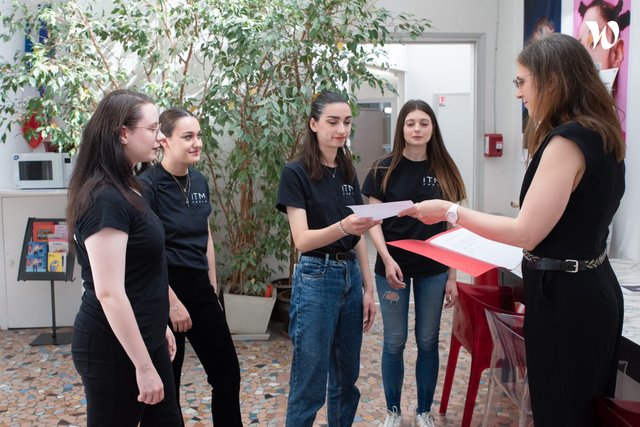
x: 122, y: 346
x: 332, y: 298
x: 418, y: 168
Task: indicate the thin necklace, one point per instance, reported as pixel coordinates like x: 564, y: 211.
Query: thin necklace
x: 331, y: 170
x: 186, y: 189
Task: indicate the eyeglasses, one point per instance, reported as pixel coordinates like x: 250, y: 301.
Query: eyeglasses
x: 518, y: 82
x: 155, y: 130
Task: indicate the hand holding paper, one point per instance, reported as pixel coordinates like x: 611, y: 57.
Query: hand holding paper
x: 357, y: 225
x: 427, y: 211
x: 379, y: 211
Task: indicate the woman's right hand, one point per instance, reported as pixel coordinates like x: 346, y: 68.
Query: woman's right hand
x: 394, y: 274
x: 357, y: 226
x: 180, y: 318
x: 149, y: 385
x: 428, y: 211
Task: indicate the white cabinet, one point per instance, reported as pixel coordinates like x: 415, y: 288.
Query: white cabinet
x: 27, y: 304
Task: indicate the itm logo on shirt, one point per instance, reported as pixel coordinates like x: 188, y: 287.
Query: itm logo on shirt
x: 429, y: 181
x: 198, y: 198
x: 347, y: 190
x: 597, y: 35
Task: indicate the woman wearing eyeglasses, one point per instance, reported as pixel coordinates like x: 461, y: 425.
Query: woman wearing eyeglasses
x: 122, y: 347
x: 571, y: 190
x: 178, y: 193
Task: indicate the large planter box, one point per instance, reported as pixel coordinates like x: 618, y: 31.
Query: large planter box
x: 248, y: 315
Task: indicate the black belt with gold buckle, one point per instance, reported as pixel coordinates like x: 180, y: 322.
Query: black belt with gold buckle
x: 337, y: 256
x: 567, y: 265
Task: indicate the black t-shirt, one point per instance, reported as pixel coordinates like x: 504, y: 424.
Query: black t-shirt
x: 145, y: 281
x: 409, y: 181
x: 325, y: 201
x: 186, y: 227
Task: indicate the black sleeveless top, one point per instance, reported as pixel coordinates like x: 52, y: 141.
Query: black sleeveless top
x: 581, y: 232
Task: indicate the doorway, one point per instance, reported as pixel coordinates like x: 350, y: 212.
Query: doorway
x: 449, y: 65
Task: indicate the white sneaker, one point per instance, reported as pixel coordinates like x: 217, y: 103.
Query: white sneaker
x: 394, y: 419
x: 425, y: 419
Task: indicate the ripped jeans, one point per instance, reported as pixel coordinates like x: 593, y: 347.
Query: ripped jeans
x: 428, y: 294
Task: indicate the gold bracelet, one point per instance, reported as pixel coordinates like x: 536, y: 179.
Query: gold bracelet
x: 344, y: 233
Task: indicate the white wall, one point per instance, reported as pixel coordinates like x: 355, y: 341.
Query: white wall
x: 626, y: 227
x: 438, y: 68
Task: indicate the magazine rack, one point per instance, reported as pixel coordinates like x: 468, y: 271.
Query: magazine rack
x: 53, y: 338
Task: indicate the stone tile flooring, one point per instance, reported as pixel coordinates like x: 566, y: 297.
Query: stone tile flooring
x: 40, y: 387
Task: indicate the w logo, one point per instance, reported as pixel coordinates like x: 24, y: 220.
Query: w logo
x: 598, y: 35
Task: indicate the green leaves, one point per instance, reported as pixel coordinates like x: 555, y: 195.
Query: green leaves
x: 246, y: 68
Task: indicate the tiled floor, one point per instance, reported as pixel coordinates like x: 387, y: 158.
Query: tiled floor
x: 40, y: 387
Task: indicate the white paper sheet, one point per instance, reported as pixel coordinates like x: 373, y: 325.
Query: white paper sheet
x: 470, y: 244
x: 381, y: 210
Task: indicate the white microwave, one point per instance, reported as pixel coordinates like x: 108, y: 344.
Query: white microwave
x: 41, y: 170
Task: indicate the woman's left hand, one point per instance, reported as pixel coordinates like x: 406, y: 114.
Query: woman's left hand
x: 450, y: 293
x: 171, y: 343
x: 368, y: 311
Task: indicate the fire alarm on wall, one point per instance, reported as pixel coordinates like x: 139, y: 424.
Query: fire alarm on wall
x: 493, y: 145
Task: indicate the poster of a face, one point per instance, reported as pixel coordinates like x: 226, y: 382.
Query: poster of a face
x: 541, y: 17
x: 602, y: 27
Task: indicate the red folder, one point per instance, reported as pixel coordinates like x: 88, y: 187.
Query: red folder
x: 471, y: 266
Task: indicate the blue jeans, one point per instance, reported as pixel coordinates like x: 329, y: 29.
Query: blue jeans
x: 326, y: 332
x: 428, y: 295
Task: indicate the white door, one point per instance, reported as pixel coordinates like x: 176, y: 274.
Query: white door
x: 455, y: 115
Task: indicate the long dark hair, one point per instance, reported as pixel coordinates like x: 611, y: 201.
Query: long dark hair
x: 101, y: 159
x: 568, y: 89
x: 310, y: 154
x: 442, y: 165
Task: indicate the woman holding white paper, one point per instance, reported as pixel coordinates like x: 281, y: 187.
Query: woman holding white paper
x: 332, y: 299
x: 419, y: 168
x: 571, y: 190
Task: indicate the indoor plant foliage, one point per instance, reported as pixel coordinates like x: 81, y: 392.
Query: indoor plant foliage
x: 273, y: 57
x: 85, y: 52
x: 247, y: 68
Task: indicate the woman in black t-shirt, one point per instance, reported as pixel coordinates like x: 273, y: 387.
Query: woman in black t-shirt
x: 122, y: 347
x: 419, y: 168
x: 332, y: 297
x: 178, y: 193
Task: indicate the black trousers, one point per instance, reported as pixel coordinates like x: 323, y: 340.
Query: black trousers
x: 211, y: 340
x: 109, y: 380
x: 573, y: 324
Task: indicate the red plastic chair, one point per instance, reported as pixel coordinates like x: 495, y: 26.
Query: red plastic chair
x: 470, y: 330
x: 618, y: 412
x: 490, y: 278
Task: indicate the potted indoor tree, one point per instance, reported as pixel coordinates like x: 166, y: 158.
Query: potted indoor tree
x: 271, y: 61
x: 248, y: 69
